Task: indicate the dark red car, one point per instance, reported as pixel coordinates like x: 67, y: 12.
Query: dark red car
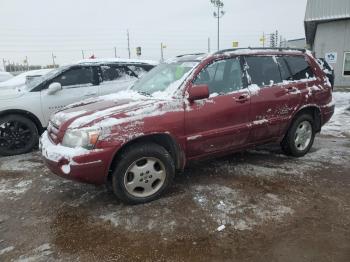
x: 193, y: 107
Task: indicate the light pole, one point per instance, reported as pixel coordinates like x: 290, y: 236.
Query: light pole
x: 218, y: 14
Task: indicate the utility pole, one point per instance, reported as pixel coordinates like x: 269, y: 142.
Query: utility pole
x: 128, y: 43
x: 208, y: 45
x: 82, y: 54
x: 27, y: 63
x: 4, y: 63
x: 53, y: 60
x: 219, y: 14
x: 161, y: 52
x: 115, y: 52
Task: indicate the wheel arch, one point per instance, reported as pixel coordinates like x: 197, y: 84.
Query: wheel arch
x: 314, y: 111
x: 162, y: 139
x: 26, y: 114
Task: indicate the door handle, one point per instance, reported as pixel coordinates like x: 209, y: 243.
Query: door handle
x: 242, y: 99
x: 291, y: 89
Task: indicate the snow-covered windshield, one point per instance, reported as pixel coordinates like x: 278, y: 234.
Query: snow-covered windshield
x: 38, y: 80
x: 166, y: 77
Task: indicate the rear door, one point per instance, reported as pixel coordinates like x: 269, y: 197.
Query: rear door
x: 78, y: 83
x: 220, y: 122
x: 114, y: 78
x: 272, y: 99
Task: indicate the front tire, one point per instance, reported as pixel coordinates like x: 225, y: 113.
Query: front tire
x: 18, y: 135
x: 143, y: 173
x: 300, y: 136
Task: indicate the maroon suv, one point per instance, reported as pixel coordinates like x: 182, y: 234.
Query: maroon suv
x: 192, y: 107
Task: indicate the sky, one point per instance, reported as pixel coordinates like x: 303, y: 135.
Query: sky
x: 38, y: 28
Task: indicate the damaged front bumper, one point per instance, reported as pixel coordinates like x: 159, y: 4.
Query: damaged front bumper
x: 88, y: 166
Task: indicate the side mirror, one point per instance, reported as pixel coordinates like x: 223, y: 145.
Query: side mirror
x: 198, y: 92
x: 54, y: 88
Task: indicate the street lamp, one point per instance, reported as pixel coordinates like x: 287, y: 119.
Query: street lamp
x: 218, y: 14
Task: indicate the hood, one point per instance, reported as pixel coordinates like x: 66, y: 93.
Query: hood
x: 103, y: 113
x: 11, y: 92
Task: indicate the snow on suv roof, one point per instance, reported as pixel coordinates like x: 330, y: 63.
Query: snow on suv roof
x: 116, y: 60
x: 254, y: 50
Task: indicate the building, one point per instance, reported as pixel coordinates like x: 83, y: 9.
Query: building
x: 294, y: 43
x: 327, y: 29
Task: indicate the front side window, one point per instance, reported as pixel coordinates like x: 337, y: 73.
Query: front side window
x: 299, y: 67
x: 347, y: 64
x: 222, y: 77
x: 263, y: 70
x: 75, y: 76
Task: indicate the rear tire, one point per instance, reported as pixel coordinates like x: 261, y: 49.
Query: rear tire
x: 18, y: 135
x: 300, y: 136
x: 143, y: 173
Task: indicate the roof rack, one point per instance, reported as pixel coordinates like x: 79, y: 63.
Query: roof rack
x: 190, y: 54
x: 260, y: 48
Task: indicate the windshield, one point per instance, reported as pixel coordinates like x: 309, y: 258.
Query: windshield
x: 38, y: 80
x: 164, y: 78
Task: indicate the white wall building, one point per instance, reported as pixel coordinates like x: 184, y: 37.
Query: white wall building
x: 327, y: 28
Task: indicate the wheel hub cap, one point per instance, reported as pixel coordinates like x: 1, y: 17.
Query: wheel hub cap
x: 303, y: 135
x: 144, y: 177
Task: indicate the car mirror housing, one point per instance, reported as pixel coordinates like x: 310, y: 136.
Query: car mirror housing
x: 198, y: 92
x: 54, y: 88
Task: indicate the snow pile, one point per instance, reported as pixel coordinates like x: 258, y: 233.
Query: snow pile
x: 233, y: 208
x: 20, y: 163
x: 6, y: 249
x: 21, y: 79
x: 40, y: 253
x: 339, y: 125
x: 12, y: 189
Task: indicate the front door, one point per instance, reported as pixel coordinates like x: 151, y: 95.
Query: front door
x: 78, y: 83
x: 220, y: 122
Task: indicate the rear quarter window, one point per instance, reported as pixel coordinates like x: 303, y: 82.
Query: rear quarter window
x: 299, y: 67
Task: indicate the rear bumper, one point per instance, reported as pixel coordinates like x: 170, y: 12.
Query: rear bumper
x: 90, y: 167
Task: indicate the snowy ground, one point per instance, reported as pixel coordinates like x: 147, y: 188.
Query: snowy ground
x: 254, y: 206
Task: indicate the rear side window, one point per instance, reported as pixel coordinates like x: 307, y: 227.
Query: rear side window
x: 263, y: 70
x: 285, y: 72
x: 299, y: 67
x: 138, y: 70
x: 113, y: 73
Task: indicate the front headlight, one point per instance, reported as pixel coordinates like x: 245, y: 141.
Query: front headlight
x: 81, y: 138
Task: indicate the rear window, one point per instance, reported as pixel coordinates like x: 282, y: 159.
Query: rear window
x: 299, y: 67
x: 263, y: 70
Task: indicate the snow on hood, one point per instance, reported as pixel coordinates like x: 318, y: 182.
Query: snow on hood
x: 11, y: 92
x: 105, y: 111
x: 20, y: 80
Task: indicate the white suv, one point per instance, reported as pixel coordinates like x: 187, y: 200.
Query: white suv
x: 25, y: 110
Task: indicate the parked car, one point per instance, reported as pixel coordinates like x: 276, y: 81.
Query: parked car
x: 4, y: 76
x: 191, y: 108
x: 25, y: 109
x: 23, y: 78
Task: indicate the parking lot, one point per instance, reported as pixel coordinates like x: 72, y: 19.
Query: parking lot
x: 258, y: 205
